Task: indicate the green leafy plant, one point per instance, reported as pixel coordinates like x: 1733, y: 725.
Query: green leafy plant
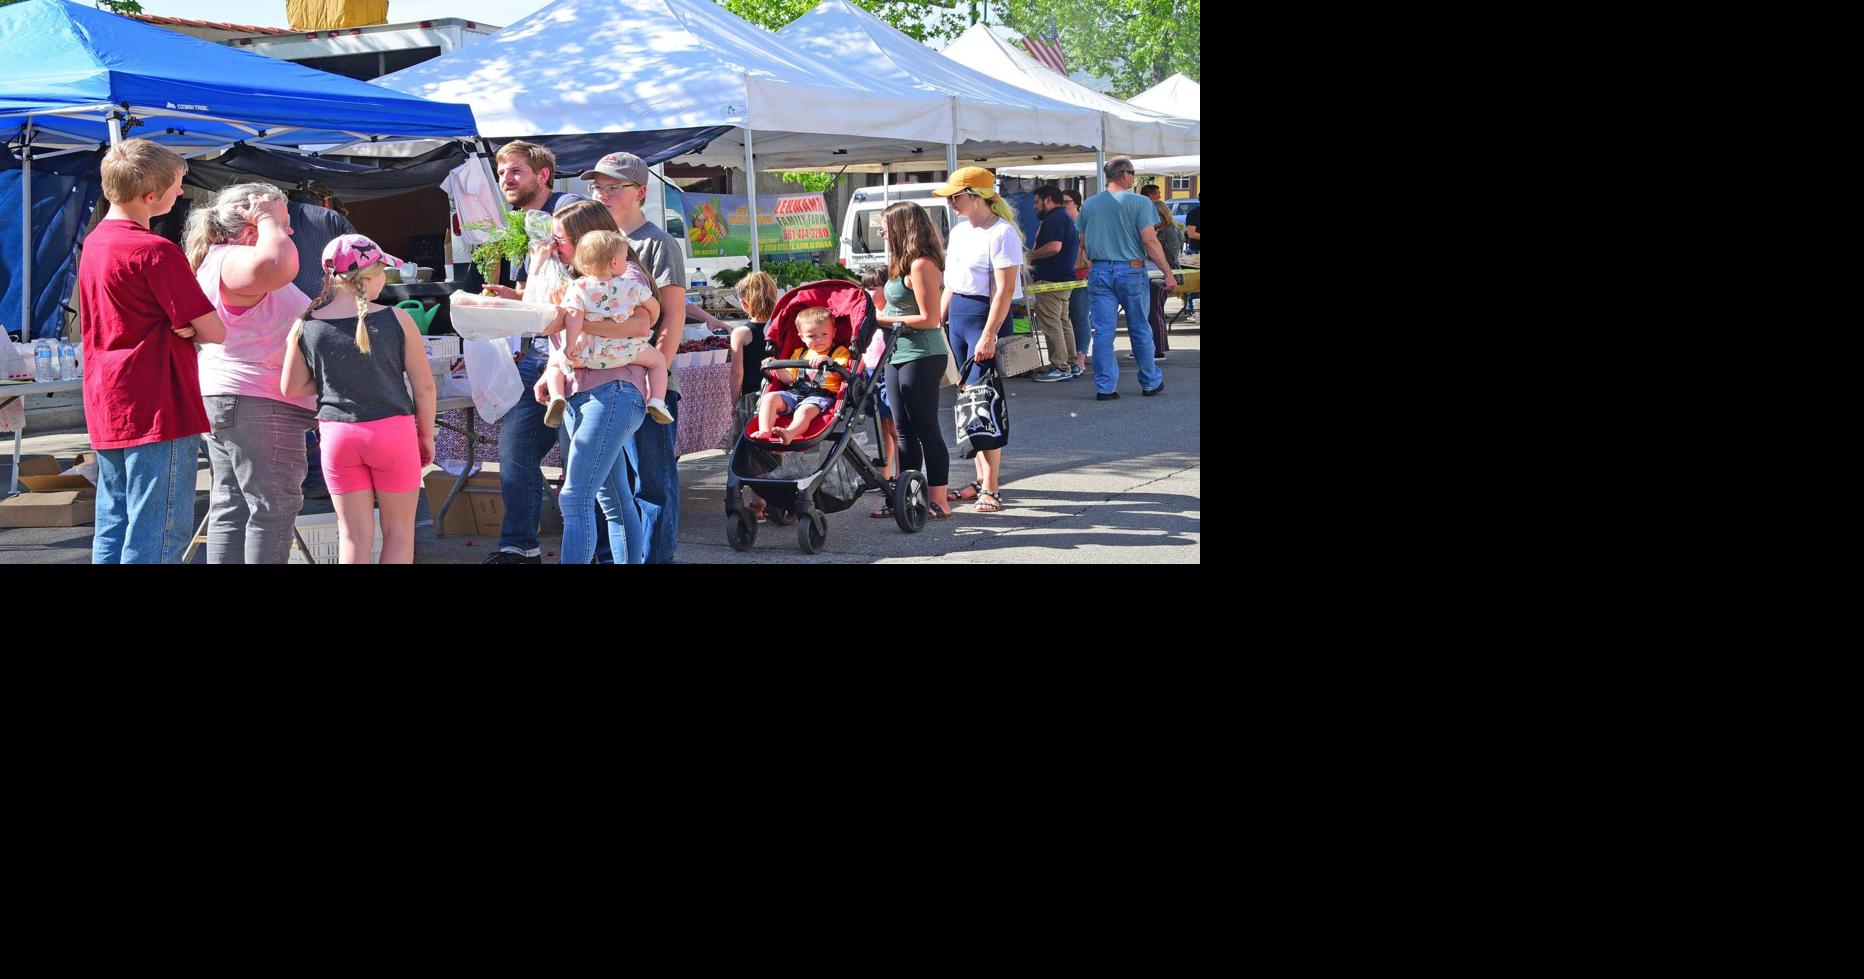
x: 508, y: 242
x: 729, y: 278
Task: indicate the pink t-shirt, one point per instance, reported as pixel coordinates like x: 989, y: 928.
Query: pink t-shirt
x: 252, y: 360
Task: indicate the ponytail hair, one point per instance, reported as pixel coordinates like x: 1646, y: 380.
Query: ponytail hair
x: 1001, y: 208
x: 350, y: 282
x: 224, y: 220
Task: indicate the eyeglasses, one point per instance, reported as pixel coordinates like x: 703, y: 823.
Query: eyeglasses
x: 603, y: 190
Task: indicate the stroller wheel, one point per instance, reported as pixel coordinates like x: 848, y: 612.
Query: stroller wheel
x: 813, y: 532
x: 740, y: 531
x: 911, y: 501
x: 780, y: 516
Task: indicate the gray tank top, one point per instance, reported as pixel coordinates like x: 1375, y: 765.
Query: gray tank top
x: 353, y: 386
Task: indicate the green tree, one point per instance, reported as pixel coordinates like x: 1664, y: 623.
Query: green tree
x: 909, y: 17
x: 1134, y: 43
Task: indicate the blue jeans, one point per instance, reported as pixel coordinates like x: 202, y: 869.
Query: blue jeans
x: 1078, y: 316
x: 655, y: 471
x: 602, y: 424
x: 145, y: 502
x: 523, y: 441
x: 1118, y: 283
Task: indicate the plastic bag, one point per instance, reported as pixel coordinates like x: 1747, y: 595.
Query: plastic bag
x: 546, y: 279
x: 494, y: 377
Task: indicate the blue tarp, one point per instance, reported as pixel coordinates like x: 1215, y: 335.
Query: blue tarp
x: 61, y: 206
x: 57, y: 55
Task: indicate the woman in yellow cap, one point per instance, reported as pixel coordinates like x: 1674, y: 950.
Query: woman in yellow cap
x: 982, y: 261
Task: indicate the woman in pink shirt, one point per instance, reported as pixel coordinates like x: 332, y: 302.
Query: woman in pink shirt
x: 240, y: 247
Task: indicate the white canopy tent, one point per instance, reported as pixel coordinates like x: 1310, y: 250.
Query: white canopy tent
x: 609, y: 66
x: 1166, y: 166
x: 991, y: 122
x: 1127, y: 129
x: 1177, y: 95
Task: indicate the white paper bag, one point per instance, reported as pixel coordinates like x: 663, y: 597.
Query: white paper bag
x: 494, y: 378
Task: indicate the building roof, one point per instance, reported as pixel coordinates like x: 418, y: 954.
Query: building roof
x: 210, y: 24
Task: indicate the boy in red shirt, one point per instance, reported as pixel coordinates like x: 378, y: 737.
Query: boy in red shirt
x: 142, y: 313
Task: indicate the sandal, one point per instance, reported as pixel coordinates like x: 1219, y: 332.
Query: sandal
x: 886, y: 510
x: 976, y: 486
x: 934, y: 513
x: 983, y: 507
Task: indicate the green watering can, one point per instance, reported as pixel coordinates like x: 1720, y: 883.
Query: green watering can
x: 423, y: 316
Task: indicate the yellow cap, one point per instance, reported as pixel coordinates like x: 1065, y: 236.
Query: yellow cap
x: 968, y: 178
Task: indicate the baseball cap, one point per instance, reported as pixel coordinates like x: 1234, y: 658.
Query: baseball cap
x: 347, y: 253
x: 967, y: 178
x: 621, y: 166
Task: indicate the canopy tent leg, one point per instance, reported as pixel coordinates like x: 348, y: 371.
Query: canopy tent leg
x: 750, y: 191
x: 116, y: 129
x: 951, y: 148
x: 25, y: 236
x: 1100, y: 170
x: 886, y: 171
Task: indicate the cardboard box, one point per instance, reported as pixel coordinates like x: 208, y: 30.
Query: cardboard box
x: 55, y: 484
x: 459, y: 520
x: 39, y: 465
x: 67, y: 508
x: 479, y: 510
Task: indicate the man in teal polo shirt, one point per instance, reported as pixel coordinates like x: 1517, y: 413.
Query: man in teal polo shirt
x: 1116, y: 231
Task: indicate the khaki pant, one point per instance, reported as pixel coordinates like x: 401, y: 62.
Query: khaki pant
x: 1051, y: 309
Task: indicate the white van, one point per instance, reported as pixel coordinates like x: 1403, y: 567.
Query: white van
x: 861, y: 244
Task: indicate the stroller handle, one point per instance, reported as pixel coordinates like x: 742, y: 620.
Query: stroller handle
x: 805, y: 365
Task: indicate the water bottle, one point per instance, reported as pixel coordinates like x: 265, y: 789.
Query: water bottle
x: 44, y: 361
x: 67, y: 361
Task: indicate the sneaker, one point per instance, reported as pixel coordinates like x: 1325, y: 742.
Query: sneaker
x: 658, y: 409
x: 553, y: 415
x: 1155, y: 390
x: 1054, y: 374
x: 1157, y: 357
x: 1076, y: 371
x: 1113, y: 396
x: 506, y: 557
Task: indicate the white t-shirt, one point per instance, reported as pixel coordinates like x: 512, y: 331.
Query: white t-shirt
x: 973, y: 253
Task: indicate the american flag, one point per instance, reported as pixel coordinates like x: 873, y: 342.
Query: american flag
x: 1046, y: 48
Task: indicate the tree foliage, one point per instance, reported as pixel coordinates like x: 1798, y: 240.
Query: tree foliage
x: 1134, y: 43
x: 948, y: 18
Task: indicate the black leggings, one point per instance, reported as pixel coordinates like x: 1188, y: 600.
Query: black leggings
x: 913, y: 389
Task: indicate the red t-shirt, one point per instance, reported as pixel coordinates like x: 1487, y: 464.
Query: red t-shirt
x: 140, y: 382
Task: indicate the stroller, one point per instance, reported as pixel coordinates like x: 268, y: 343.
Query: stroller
x: 825, y: 469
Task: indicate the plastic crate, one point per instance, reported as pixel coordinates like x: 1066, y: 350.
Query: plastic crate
x: 321, y: 536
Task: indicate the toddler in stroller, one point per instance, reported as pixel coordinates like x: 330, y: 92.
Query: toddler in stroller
x: 819, y: 462
x: 810, y: 393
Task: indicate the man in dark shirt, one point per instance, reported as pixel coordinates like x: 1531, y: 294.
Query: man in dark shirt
x: 1052, y: 261
x: 314, y: 224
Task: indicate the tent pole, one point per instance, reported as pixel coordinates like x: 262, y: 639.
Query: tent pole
x: 1100, y: 171
x: 116, y: 130
x: 750, y: 191
x: 25, y: 233
x: 886, y: 170
x: 951, y: 149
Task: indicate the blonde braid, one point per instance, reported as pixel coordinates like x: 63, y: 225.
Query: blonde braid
x: 362, y: 311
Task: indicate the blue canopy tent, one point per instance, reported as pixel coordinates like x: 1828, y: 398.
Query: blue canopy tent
x: 74, y: 80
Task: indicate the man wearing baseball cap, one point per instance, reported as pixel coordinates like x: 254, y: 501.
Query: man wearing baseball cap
x: 1116, y: 231
x: 620, y: 183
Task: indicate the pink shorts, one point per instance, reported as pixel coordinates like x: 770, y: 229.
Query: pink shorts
x: 383, y: 455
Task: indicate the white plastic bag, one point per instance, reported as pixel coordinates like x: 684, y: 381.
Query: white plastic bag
x: 494, y: 378
x: 545, y: 280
